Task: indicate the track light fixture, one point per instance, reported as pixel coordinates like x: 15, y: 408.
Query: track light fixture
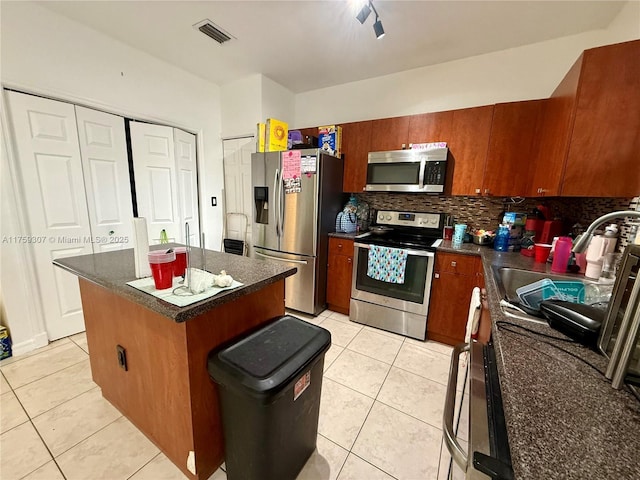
x: 363, y: 14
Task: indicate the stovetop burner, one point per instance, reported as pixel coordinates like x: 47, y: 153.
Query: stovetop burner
x: 415, y: 230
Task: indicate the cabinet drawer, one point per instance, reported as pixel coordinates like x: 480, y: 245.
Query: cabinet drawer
x: 460, y: 264
x: 340, y: 246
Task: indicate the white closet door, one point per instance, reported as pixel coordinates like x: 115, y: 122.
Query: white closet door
x: 103, y: 148
x: 46, y: 140
x: 187, y: 174
x: 237, y: 187
x: 154, y: 169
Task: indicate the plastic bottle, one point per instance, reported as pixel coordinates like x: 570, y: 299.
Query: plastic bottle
x: 561, y: 255
x: 501, y: 243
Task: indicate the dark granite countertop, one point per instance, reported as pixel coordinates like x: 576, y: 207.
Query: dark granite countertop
x: 348, y: 236
x: 564, y: 420
x: 114, y: 269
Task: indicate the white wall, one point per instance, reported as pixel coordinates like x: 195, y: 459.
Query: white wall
x: 253, y: 99
x: 523, y: 73
x: 49, y: 54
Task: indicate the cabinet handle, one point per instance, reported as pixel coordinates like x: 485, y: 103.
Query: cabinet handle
x: 478, y: 190
x: 487, y: 191
x: 454, y: 264
x: 349, y: 260
x: 436, y: 275
x: 339, y: 245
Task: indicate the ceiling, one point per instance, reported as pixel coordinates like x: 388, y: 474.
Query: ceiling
x: 306, y: 45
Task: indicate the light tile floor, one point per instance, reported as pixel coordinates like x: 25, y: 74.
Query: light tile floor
x: 380, y: 414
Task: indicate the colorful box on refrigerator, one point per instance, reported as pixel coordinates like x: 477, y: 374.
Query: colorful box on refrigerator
x: 330, y: 139
x: 277, y: 134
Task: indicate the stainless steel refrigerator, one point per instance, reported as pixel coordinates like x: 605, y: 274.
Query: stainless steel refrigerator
x: 292, y: 219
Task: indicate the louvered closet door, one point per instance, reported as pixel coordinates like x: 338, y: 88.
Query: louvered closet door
x: 187, y: 175
x: 46, y: 141
x: 154, y: 168
x: 106, y: 177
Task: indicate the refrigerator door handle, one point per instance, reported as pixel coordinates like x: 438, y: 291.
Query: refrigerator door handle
x: 270, y: 257
x: 276, y: 199
x: 281, y: 209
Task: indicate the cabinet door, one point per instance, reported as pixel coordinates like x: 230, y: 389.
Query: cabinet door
x: 604, y: 153
x: 339, y: 273
x: 355, y: 148
x: 449, y: 307
x: 389, y: 134
x: 468, y: 145
x: 430, y: 127
x: 512, y: 147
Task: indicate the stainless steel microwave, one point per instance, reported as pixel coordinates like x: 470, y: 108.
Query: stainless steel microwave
x: 409, y: 171
x: 620, y: 334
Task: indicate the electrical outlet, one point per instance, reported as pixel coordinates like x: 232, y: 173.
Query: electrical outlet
x: 214, y: 201
x: 122, y: 357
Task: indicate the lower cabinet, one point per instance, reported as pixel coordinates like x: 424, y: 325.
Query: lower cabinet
x: 454, y: 278
x: 339, y: 272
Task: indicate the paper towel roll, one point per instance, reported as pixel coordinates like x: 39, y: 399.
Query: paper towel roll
x: 141, y: 247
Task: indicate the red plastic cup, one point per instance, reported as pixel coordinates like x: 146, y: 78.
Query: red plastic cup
x: 541, y: 252
x: 180, y: 264
x: 448, y: 233
x: 162, y: 268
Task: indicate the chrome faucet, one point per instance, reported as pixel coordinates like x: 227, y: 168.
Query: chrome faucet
x: 583, y: 240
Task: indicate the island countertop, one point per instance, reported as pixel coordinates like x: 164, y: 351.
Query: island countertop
x: 113, y: 270
x: 564, y: 421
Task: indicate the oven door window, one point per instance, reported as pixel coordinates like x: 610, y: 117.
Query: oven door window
x: 412, y: 290
x: 405, y: 173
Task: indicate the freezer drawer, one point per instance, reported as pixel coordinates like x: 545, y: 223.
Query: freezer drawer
x: 300, y: 290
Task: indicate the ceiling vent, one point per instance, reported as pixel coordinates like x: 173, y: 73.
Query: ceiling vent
x: 210, y: 29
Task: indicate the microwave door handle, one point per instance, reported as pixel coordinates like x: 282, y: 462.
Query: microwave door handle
x: 421, y: 182
x: 454, y: 447
x: 626, y: 328
x: 614, y: 305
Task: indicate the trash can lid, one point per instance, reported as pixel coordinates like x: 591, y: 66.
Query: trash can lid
x: 267, y: 360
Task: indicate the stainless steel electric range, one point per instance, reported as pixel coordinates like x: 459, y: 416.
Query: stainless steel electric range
x: 397, y: 307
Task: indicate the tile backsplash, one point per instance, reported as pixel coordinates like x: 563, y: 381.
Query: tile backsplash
x: 486, y: 212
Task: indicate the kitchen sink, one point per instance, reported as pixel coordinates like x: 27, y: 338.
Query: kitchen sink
x: 509, y: 279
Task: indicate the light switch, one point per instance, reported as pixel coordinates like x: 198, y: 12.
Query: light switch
x: 214, y: 201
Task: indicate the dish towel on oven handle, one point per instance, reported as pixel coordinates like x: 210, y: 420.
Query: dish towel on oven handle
x: 386, y: 264
x: 473, y: 319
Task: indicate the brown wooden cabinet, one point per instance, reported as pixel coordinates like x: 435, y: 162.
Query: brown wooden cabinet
x: 604, y: 152
x: 355, y: 151
x: 468, y: 145
x: 430, y: 127
x: 389, y: 134
x: 512, y: 147
x: 454, y: 278
x: 339, y: 273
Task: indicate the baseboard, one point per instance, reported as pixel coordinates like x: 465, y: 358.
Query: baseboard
x: 38, y: 341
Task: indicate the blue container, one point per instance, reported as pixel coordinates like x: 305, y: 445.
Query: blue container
x: 501, y: 242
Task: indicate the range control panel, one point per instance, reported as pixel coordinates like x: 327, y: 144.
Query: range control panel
x: 410, y: 219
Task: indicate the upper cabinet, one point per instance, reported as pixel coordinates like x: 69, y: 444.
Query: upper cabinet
x: 355, y: 150
x: 512, y: 147
x: 604, y: 151
x: 389, y: 134
x: 430, y: 127
x: 468, y: 144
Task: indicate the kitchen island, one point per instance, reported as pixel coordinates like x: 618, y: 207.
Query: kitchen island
x: 150, y: 357
x: 564, y: 421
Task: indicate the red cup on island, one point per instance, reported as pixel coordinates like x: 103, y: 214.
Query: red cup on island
x: 541, y: 252
x: 180, y: 264
x: 162, y: 264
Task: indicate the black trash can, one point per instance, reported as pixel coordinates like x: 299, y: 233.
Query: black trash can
x: 269, y: 386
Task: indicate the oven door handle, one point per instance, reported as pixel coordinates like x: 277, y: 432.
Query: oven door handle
x: 457, y: 453
x: 416, y: 253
